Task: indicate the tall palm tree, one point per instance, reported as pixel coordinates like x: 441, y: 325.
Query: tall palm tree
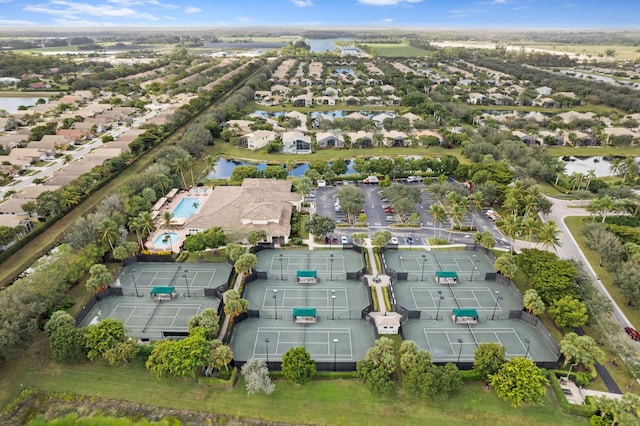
x: 591, y: 175
x: 147, y: 224
x: 303, y: 187
x: 548, y: 235
x: 616, y: 165
x: 629, y: 168
x: 457, y: 214
x: 209, y: 165
x: 108, y: 232
x: 529, y: 225
x: 135, y: 226
x: 190, y: 162
x: 511, y: 203
x: 179, y: 166
x: 606, y: 205
x: 477, y: 201
x: 167, y: 223
x: 511, y: 226
x: 291, y: 164
x: 559, y: 167
x: 439, y: 214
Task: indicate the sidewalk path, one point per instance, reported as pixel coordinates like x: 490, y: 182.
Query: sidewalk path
x: 383, y: 280
x: 236, y: 286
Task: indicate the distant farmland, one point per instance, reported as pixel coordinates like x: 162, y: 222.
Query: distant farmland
x: 397, y: 50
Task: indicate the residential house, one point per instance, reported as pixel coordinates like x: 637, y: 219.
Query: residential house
x: 258, y: 204
x: 500, y: 99
x: 52, y: 143
x: 544, y: 91
x: 305, y: 100
x: 295, y: 143
x: 394, y: 138
x: 12, y: 140
x: 411, y: 117
x: 256, y: 139
x: 329, y: 140
x: 527, y: 138
x: 424, y: 136
x: 393, y: 100
x: 77, y: 135
x: 478, y: 99
x: 361, y: 139
x: 379, y: 118
x: 23, y: 157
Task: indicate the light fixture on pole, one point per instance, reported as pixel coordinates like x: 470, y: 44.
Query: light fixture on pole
x: 186, y: 282
x: 135, y: 285
x: 333, y: 307
x: 498, y: 299
x: 528, y: 342
x: 335, y: 353
x: 459, y: 351
x: 331, y: 258
x: 440, y: 299
x: 275, y: 302
x: 424, y: 259
x: 410, y: 240
x: 281, y: 276
x: 266, y: 346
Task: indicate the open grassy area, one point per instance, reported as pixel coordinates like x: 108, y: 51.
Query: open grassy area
x: 622, y: 51
x: 396, y: 50
x: 336, y: 402
x: 230, y: 151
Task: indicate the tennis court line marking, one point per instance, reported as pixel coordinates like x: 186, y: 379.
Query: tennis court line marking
x: 475, y: 333
x: 321, y: 264
x: 282, y: 296
x: 321, y: 331
x: 473, y: 291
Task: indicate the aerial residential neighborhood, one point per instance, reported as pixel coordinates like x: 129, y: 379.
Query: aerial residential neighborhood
x: 339, y: 223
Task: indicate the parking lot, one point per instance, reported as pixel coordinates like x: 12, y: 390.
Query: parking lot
x: 378, y: 219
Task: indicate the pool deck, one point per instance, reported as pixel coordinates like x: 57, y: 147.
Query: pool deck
x: 202, y: 193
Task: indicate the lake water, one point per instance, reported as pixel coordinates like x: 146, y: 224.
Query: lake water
x: 583, y: 164
x: 11, y: 104
x: 224, y: 168
x: 325, y: 44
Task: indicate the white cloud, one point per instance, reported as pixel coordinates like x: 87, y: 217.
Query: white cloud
x: 192, y: 9
x: 70, y: 11
x: 387, y: 20
x: 14, y: 23
x: 386, y: 2
x: 302, y: 3
x: 142, y: 2
x: 463, y: 12
x: 246, y: 19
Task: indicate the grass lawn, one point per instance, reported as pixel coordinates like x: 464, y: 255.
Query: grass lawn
x: 336, y: 402
x: 595, y: 151
x: 396, y: 50
x: 228, y: 151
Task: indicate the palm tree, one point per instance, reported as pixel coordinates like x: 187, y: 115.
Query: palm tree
x: 209, y: 165
x: 291, y: 164
x: 575, y: 179
x: 477, y: 201
x: 190, y: 162
x: 167, y: 223
x: 510, y: 226
x: 511, y: 203
x: 530, y: 203
x: 147, y: 224
x: 559, y: 167
x: 629, y: 168
x: 438, y: 212
x: 529, y: 225
x: 303, y: 186
x: 591, y: 175
x: 179, y: 166
x: 606, y: 205
x: 135, y: 226
x: 108, y: 232
x: 548, y: 235
x: 616, y: 165
x: 456, y: 211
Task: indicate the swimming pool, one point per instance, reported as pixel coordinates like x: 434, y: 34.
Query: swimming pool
x: 166, y: 240
x: 186, y: 207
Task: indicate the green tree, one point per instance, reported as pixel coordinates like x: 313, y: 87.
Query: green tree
x: 298, y: 366
x: 321, y: 225
x: 488, y: 359
x: 533, y: 302
x: 234, y: 251
x: 180, y: 358
x: 351, y: 200
x: 506, y: 265
x: 245, y: 263
x: 377, y: 367
x: 234, y: 305
x: 108, y: 232
x: 208, y: 320
x: 255, y: 236
x: 103, y: 336
x: 125, y: 250
x: 100, y: 278
x: 568, y: 312
x: 66, y: 341
x: 626, y: 277
x: 581, y: 350
x: 485, y: 239
x: 442, y: 383
x: 519, y: 381
x: 256, y: 377
x: 547, y: 234
x: 222, y: 355
x: 122, y: 353
x: 380, y: 238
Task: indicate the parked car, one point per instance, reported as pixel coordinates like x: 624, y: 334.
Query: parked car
x: 391, y: 218
x: 344, y: 240
x: 394, y: 240
x: 410, y: 240
x: 632, y: 332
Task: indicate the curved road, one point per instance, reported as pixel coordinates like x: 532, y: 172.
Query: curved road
x: 570, y: 249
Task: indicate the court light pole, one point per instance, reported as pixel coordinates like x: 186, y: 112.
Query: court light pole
x: 281, y: 276
x: 335, y: 354
x: 275, y: 302
x: 135, y: 285
x: 440, y: 299
x: 498, y: 299
x: 331, y: 258
x: 410, y: 240
x: 459, y: 352
x: 528, y: 342
x: 424, y: 259
x: 333, y: 306
x: 266, y: 346
x: 186, y: 281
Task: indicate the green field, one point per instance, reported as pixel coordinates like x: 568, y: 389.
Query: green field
x: 349, y: 401
x: 396, y: 50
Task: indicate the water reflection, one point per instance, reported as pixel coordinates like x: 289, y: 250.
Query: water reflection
x: 224, y: 168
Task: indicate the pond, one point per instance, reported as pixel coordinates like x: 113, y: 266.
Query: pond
x: 11, y: 104
x: 583, y: 164
x: 344, y: 70
x: 224, y: 168
x: 325, y: 44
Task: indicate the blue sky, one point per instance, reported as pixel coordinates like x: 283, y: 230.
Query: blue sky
x: 306, y: 13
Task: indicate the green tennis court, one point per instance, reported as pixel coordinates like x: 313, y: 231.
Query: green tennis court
x: 423, y: 265
x: 444, y: 343
x: 140, y: 318
x: 323, y: 344
x: 329, y: 264
x: 428, y: 299
x: 185, y: 277
x: 323, y: 299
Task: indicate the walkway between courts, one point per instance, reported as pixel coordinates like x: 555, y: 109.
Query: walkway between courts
x: 236, y: 286
x: 376, y: 280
